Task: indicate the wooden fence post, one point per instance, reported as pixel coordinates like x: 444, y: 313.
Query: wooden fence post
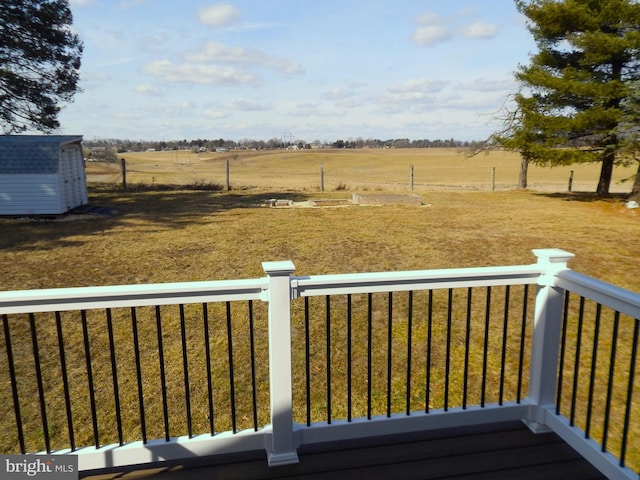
x: 570, y: 180
x: 123, y: 167
x: 411, y: 176
x: 281, y: 446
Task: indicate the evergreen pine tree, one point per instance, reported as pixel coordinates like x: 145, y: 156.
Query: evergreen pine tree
x: 570, y: 107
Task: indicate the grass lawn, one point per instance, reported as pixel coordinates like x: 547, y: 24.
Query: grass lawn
x: 176, y: 235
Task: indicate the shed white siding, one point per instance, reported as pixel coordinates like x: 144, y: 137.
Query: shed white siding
x: 30, y: 194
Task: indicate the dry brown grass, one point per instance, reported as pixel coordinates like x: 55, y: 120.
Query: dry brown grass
x: 182, y: 235
x: 185, y: 235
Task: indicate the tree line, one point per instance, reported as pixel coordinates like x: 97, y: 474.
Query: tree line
x: 115, y: 146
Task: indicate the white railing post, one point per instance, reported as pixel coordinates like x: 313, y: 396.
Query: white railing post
x: 281, y: 446
x: 546, y: 335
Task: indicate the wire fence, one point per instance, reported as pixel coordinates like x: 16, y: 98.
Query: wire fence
x: 340, y: 173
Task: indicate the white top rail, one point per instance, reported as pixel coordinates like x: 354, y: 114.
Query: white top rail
x: 85, y: 298
x: 415, y: 280
x: 619, y: 299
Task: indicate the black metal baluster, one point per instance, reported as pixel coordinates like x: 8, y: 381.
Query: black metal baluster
x: 14, y: 383
x: 594, y: 364
x: 627, y: 410
x: 232, y: 386
x: 389, y: 350
x: 467, y: 341
x: 207, y: 354
x: 254, y: 395
x: 486, y: 346
x: 136, y: 347
x: 114, y: 376
x: 92, y: 395
x: 503, y: 359
x: 163, y: 377
x: 43, y: 406
x: 563, y: 344
x: 65, y: 381
x: 612, y: 364
x: 349, y: 359
x: 409, y: 341
x: 523, y: 332
x: 369, y: 355
x: 328, y: 347
x: 429, y: 337
x: 307, y: 347
x: 185, y: 369
x: 447, y: 367
x: 576, y: 369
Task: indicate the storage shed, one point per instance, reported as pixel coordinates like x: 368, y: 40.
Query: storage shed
x: 41, y: 174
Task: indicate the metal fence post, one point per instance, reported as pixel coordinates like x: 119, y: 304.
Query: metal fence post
x: 546, y: 335
x: 281, y: 446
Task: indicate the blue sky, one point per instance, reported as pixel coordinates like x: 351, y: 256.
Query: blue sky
x: 319, y: 70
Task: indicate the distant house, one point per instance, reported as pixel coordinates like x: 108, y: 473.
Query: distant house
x: 99, y: 153
x: 41, y: 174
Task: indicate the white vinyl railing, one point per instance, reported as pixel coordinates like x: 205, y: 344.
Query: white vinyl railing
x: 547, y: 358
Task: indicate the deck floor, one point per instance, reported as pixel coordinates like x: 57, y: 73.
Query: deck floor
x: 498, y: 451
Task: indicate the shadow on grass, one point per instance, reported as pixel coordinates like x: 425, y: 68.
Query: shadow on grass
x: 584, y: 196
x: 148, y: 208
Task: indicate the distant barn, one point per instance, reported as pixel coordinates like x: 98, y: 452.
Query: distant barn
x: 41, y: 174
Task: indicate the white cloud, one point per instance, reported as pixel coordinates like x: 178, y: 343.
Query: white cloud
x: 429, y: 18
x: 430, y: 30
x: 219, y: 15
x: 312, y: 110
x: 213, y: 114
x: 484, y: 85
x: 480, y: 30
x: 420, y: 85
x: 247, y: 105
x: 413, y: 96
x: 112, y: 62
x: 200, y: 74
x: 407, y: 102
x: 338, y: 93
x: 216, y: 52
x: 80, y: 3
x: 147, y: 90
x: 127, y: 115
x: 428, y: 35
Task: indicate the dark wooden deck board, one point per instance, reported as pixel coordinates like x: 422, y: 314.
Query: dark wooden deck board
x: 499, y: 451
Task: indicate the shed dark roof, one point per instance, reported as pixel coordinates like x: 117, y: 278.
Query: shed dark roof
x: 32, y: 153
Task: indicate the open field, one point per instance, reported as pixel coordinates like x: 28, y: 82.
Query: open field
x: 179, y: 235
x: 434, y: 169
x: 173, y: 236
